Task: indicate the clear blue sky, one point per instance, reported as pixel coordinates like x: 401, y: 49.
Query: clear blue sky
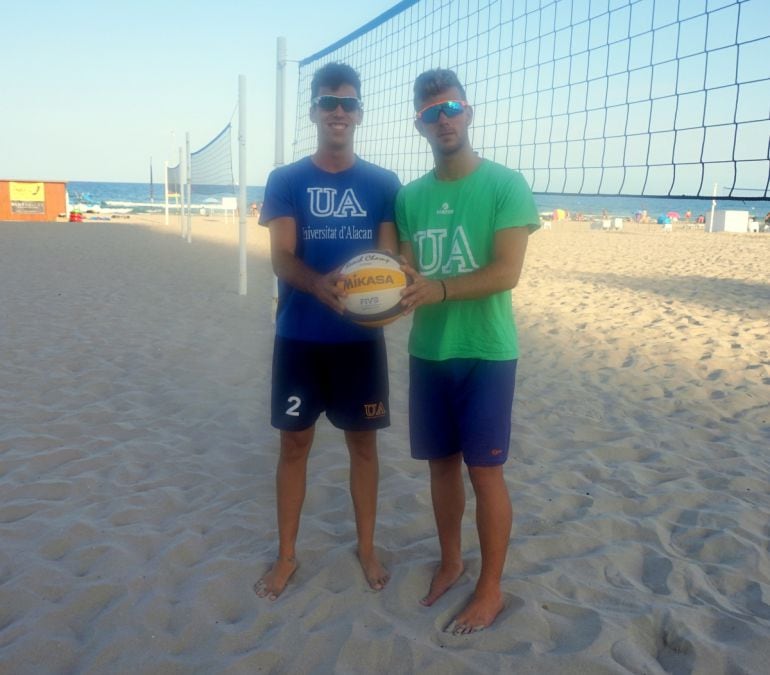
x: 91, y: 89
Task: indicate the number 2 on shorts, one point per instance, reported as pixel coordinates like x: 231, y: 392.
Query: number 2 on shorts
x: 293, y: 409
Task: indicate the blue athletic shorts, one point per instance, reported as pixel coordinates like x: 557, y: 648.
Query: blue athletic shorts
x: 349, y: 381
x: 461, y: 405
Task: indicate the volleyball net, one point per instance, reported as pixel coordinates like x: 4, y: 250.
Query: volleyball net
x: 585, y: 97
x: 209, y: 171
x: 211, y: 167
x: 174, y: 181
x: 203, y: 175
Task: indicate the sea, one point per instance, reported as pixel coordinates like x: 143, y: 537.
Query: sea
x: 149, y: 198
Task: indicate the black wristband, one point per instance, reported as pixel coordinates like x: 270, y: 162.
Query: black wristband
x: 443, y: 287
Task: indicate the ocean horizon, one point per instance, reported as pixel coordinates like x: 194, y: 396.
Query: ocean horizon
x: 149, y: 198
x: 146, y: 197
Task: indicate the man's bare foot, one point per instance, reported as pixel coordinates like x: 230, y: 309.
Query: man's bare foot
x: 272, y: 584
x: 443, y: 579
x: 376, y: 575
x: 478, y: 614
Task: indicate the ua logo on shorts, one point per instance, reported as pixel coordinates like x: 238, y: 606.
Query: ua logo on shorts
x: 372, y: 410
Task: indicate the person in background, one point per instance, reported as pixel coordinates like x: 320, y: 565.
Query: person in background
x: 463, y: 229
x: 321, y: 211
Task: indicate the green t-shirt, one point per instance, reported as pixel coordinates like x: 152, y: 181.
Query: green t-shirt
x: 451, y: 226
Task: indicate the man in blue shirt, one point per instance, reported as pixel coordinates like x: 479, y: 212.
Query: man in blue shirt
x: 321, y: 211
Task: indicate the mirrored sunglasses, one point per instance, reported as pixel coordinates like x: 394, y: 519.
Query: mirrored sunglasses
x: 329, y: 103
x: 429, y: 114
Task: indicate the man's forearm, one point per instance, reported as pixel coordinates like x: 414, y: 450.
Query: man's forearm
x: 490, y: 279
x: 293, y: 271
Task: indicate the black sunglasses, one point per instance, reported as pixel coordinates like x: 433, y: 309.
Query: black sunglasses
x: 329, y: 103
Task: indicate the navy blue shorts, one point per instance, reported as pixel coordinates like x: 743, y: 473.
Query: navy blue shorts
x: 349, y: 381
x: 461, y: 405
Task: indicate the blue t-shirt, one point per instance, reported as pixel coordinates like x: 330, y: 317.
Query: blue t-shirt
x: 338, y: 215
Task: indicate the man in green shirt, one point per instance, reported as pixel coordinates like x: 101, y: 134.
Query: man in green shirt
x: 463, y: 229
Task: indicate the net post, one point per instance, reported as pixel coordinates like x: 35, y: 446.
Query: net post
x: 165, y: 189
x: 182, y: 169
x: 189, y: 188
x: 280, y: 88
x: 242, y: 185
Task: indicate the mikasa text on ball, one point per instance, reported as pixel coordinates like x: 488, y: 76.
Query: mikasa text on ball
x: 373, y: 281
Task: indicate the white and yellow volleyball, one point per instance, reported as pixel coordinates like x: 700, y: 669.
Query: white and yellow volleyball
x: 373, y: 282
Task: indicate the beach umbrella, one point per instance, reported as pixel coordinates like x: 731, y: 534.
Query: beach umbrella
x: 673, y: 214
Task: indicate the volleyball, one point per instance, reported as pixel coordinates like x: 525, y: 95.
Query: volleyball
x: 373, y: 281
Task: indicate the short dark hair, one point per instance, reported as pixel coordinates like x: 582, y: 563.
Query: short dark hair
x: 333, y: 76
x: 433, y: 82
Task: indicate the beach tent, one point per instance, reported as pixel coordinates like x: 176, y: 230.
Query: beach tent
x: 730, y: 221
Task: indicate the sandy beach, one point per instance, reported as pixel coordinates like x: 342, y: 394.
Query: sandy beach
x: 137, y: 464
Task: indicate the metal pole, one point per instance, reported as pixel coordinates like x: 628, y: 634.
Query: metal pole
x: 181, y: 191
x: 280, y: 87
x: 242, y: 185
x: 189, y: 188
x: 165, y: 187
